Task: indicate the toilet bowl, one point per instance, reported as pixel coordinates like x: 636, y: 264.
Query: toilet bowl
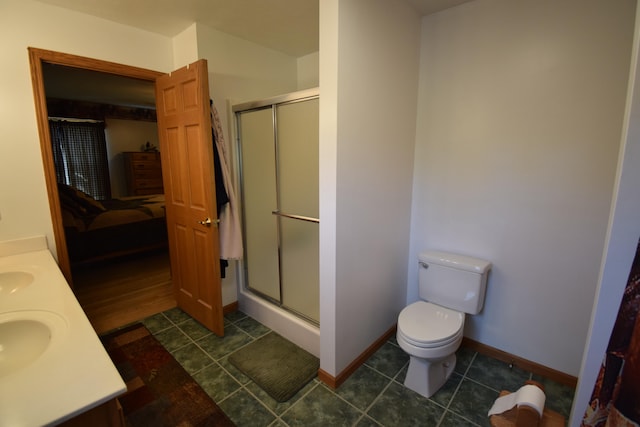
x: 431, y: 349
x: 431, y: 330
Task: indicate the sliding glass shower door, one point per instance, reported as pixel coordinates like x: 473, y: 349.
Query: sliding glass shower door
x: 278, y: 146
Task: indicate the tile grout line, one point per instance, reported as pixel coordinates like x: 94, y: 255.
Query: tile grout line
x: 225, y: 370
x: 244, y: 386
x: 213, y: 360
x: 241, y: 385
x: 363, y: 415
x: 379, y: 396
x: 277, y: 417
x: 342, y: 399
x: 453, y: 396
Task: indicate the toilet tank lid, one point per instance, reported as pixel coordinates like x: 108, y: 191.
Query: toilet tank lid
x: 462, y: 262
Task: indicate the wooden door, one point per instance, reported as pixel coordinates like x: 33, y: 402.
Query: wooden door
x: 186, y: 149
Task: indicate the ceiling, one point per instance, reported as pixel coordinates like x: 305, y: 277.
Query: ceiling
x: 288, y: 26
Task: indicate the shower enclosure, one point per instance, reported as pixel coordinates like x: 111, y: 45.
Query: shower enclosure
x: 278, y: 168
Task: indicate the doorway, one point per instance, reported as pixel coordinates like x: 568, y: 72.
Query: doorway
x: 278, y: 154
x: 112, y: 304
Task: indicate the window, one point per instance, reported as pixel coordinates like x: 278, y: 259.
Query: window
x: 80, y: 156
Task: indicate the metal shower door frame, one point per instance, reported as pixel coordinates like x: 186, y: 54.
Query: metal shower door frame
x: 272, y: 104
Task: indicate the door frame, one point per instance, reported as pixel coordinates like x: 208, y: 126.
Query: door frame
x: 36, y: 58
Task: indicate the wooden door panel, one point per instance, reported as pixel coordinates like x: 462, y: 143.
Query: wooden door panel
x: 190, y: 95
x: 174, y: 191
x: 186, y: 148
x: 198, y: 187
x: 200, y: 243
x: 168, y: 103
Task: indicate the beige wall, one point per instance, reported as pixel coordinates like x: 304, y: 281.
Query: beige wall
x: 238, y: 71
x: 24, y: 208
x: 519, y: 123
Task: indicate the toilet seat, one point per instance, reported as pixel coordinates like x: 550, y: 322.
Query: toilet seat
x: 427, y: 325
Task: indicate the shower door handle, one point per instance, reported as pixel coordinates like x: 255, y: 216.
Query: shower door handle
x: 292, y: 216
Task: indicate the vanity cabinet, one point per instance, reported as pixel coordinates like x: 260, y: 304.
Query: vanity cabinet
x: 143, y: 172
x: 108, y: 414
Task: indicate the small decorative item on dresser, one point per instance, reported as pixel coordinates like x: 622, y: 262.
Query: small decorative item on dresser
x: 143, y: 172
x: 149, y: 147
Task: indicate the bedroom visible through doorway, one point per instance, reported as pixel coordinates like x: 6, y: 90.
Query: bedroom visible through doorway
x: 120, y: 291
x: 115, y: 284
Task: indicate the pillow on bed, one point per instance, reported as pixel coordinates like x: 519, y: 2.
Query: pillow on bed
x: 78, y: 202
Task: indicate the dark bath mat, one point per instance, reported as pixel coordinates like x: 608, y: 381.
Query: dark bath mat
x: 278, y: 366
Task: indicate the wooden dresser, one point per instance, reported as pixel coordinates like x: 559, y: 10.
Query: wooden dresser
x: 144, y: 173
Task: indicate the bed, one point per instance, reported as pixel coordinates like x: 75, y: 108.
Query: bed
x: 102, y: 229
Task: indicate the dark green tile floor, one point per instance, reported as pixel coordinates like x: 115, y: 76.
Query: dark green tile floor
x: 373, y: 396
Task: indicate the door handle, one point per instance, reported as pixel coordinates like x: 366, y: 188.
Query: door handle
x: 207, y: 222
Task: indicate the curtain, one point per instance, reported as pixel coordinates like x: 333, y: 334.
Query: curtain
x: 616, y: 396
x: 80, y: 156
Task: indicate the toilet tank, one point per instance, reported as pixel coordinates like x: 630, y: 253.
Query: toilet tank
x: 455, y: 281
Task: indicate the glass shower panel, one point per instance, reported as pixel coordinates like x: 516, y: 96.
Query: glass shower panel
x: 300, y: 267
x: 297, y: 125
x: 297, y: 140
x: 259, y: 199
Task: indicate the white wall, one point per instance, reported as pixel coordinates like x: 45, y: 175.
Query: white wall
x: 24, y: 208
x: 240, y: 70
x: 622, y: 241
x: 308, y: 69
x: 185, y: 47
x: 373, y: 98
x: 327, y: 158
x: 122, y: 136
x: 519, y: 122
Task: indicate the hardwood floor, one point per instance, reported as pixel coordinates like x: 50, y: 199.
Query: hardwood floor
x: 118, y: 292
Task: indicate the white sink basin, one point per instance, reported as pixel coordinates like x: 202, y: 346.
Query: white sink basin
x: 25, y: 336
x: 53, y: 366
x: 13, y: 281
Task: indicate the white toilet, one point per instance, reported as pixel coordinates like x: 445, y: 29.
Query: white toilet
x: 430, y: 330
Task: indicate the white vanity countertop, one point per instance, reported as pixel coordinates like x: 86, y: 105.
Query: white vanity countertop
x: 75, y: 373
